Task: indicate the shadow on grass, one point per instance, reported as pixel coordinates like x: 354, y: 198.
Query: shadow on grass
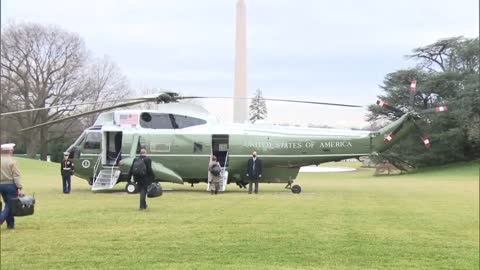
x: 193, y: 191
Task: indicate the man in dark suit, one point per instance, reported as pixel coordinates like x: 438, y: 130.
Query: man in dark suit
x: 143, y: 181
x: 254, y: 172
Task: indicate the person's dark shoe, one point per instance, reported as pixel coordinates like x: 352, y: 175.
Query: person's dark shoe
x: 141, y: 209
x: 10, y: 227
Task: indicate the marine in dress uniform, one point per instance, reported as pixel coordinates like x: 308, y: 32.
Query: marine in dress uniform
x: 10, y: 185
x: 67, y: 169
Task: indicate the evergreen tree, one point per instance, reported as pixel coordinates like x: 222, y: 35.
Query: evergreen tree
x: 447, y: 74
x: 258, y: 107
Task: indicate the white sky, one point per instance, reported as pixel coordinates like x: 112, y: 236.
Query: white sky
x: 331, y: 51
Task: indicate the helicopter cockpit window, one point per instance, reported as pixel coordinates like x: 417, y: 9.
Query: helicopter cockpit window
x: 93, y: 140
x: 155, y: 121
x: 183, y: 121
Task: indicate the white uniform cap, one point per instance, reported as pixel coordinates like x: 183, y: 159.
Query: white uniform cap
x: 7, y: 146
x: 66, y: 153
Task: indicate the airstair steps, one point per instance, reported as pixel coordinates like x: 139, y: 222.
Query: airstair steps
x: 106, y: 179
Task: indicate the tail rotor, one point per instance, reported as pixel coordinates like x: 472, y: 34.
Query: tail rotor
x: 416, y: 115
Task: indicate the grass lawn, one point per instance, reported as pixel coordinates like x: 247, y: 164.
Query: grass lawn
x: 349, y: 220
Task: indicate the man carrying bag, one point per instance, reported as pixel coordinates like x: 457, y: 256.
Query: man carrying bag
x: 142, y: 173
x: 10, y: 185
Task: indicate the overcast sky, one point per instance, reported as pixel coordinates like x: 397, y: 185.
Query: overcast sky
x: 332, y: 51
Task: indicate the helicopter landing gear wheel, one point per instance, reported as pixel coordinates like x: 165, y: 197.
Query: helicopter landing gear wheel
x: 296, y: 189
x: 131, y: 188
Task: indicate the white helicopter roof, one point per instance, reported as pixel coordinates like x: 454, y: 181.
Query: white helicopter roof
x: 186, y: 109
x: 212, y: 126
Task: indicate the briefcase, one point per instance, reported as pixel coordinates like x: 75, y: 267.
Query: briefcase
x: 154, y: 190
x: 22, y: 206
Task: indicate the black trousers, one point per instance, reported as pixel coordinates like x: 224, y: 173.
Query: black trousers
x: 143, y: 196
x: 253, y: 180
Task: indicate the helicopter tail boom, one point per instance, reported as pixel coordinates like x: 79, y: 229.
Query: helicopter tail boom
x: 392, y: 133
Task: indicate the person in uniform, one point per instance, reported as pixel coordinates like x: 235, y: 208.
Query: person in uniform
x: 214, y: 180
x: 254, y: 172
x: 67, y: 169
x: 10, y: 185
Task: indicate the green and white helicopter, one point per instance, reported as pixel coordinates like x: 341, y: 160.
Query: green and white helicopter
x: 180, y: 138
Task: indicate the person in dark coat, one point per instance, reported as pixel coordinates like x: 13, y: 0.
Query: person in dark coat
x: 67, y: 169
x: 254, y: 172
x: 143, y: 181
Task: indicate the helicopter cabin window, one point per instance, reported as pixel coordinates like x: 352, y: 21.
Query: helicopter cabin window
x: 141, y: 144
x: 93, y: 140
x: 156, y: 120
x: 160, y: 147
x: 183, y: 121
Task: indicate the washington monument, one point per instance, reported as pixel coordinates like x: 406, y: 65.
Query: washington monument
x: 239, y: 104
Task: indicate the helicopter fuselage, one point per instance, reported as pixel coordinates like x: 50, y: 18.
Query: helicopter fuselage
x: 182, y: 144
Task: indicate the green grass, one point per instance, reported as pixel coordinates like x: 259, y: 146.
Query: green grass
x: 425, y: 220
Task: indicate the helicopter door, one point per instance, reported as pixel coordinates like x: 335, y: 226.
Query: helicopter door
x: 113, y: 147
x: 220, y: 148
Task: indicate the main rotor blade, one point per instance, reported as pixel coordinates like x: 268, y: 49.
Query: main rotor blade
x: 76, y: 104
x: 434, y: 110
x: 89, y: 112
x: 281, y: 100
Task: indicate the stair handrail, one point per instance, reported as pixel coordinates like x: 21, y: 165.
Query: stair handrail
x: 113, y: 167
x: 224, y: 181
x: 95, y: 167
x: 225, y: 163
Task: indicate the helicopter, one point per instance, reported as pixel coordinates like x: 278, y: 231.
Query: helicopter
x: 180, y: 139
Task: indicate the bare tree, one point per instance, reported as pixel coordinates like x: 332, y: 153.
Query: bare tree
x: 439, y: 55
x: 106, y: 82
x: 44, y: 66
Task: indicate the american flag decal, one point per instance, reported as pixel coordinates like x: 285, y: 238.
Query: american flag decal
x: 131, y: 119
